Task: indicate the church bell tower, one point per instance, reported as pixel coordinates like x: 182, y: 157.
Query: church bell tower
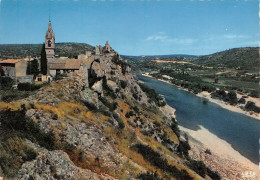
x: 50, y: 43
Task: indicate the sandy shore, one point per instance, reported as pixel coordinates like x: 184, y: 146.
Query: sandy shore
x: 229, y: 107
x: 223, y: 158
x: 222, y: 104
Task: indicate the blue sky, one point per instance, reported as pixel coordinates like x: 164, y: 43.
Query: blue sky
x: 135, y: 27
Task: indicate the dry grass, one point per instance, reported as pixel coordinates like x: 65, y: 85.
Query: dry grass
x: 13, y: 153
x: 50, y: 109
x: 84, y: 161
x: 73, y: 109
x: 12, y: 105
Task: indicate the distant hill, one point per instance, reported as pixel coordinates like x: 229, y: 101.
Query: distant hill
x: 24, y: 50
x: 161, y: 57
x: 243, y: 58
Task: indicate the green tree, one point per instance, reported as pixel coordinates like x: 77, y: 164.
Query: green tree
x: 33, y: 67
x: 43, y: 61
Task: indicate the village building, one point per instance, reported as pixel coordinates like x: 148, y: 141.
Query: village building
x: 85, y: 56
x: 15, y: 69
x: 98, y: 50
x: 61, y: 66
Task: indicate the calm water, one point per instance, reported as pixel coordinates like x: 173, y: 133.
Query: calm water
x: 241, y: 131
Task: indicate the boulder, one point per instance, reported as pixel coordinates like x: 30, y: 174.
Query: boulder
x: 89, y: 97
x: 96, y: 70
x: 112, y: 85
x: 98, y: 86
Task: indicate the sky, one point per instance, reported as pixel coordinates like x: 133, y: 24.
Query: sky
x: 135, y: 27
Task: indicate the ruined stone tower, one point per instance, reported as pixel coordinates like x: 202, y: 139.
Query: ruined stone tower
x: 50, y: 43
x: 107, y: 48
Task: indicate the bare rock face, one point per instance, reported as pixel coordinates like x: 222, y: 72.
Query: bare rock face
x: 97, y: 87
x: 55, y: 165
x: 91, y: 140
x: 97, y: 70
x: 112, y: 85
x: 90, y: 97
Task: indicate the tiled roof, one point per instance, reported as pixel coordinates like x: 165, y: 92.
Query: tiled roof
x: 10, y: 61
x: 65, y: 64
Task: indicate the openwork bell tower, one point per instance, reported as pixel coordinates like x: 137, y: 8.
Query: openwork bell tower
x: 50, y: 43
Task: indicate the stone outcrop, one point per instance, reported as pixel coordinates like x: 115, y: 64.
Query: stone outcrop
x: 55, y: 165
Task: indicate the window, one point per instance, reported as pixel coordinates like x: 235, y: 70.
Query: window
x: 49, y: 43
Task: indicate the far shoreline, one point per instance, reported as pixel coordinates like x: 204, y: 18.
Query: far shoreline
x: 206, y: 95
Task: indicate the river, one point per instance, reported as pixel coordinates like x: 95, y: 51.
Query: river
x: 240, y: 131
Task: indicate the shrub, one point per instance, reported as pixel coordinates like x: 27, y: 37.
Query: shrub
x: 242, y: 101
x: 254, y: 93
x: 183, y: 148
x: 136, y: 109
x: 89, y: 105
x: 6, y: 83
x: 121, y: 124
x: 149, y: 176
x: 12, y: 95
x: 13, y: 153
x: 213, y: 174
x: 28, y: 87
x: 123, y: 84
x: 231, y: 97
x: 155, y: 159
x: 135, y: 96
x: 111, y: 106
x: 129, y: 114
x: 175, y: 128
x: 250, y: 106
x: 198, y: 166
x: 208, y: 151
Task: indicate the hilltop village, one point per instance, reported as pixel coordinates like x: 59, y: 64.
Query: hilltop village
x: 17, y: 69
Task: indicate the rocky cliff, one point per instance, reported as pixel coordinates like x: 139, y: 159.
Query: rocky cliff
x: 96, y: 124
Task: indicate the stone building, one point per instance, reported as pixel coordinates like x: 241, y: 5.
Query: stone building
x: 98, y: 50
x: 107, y: 48
x: 85, y: 56
x: 50, y: 43
x: 61, y: 66
x: 14, y: 68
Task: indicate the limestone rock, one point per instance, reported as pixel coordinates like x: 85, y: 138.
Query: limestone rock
x: 96, y: 69
x: 90, y: 97
x: 55, y: 165
x: 97, y: 86
x: 112, y: 85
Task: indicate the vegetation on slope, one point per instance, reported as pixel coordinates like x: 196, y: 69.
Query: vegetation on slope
x: 241, y: 58
x: 34, y: 50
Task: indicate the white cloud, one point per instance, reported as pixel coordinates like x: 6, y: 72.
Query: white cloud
x: 226, y: 37
x: 164, y: 38
x: 234, y: 36
x: 251, y: 43
x: 157, y: 37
